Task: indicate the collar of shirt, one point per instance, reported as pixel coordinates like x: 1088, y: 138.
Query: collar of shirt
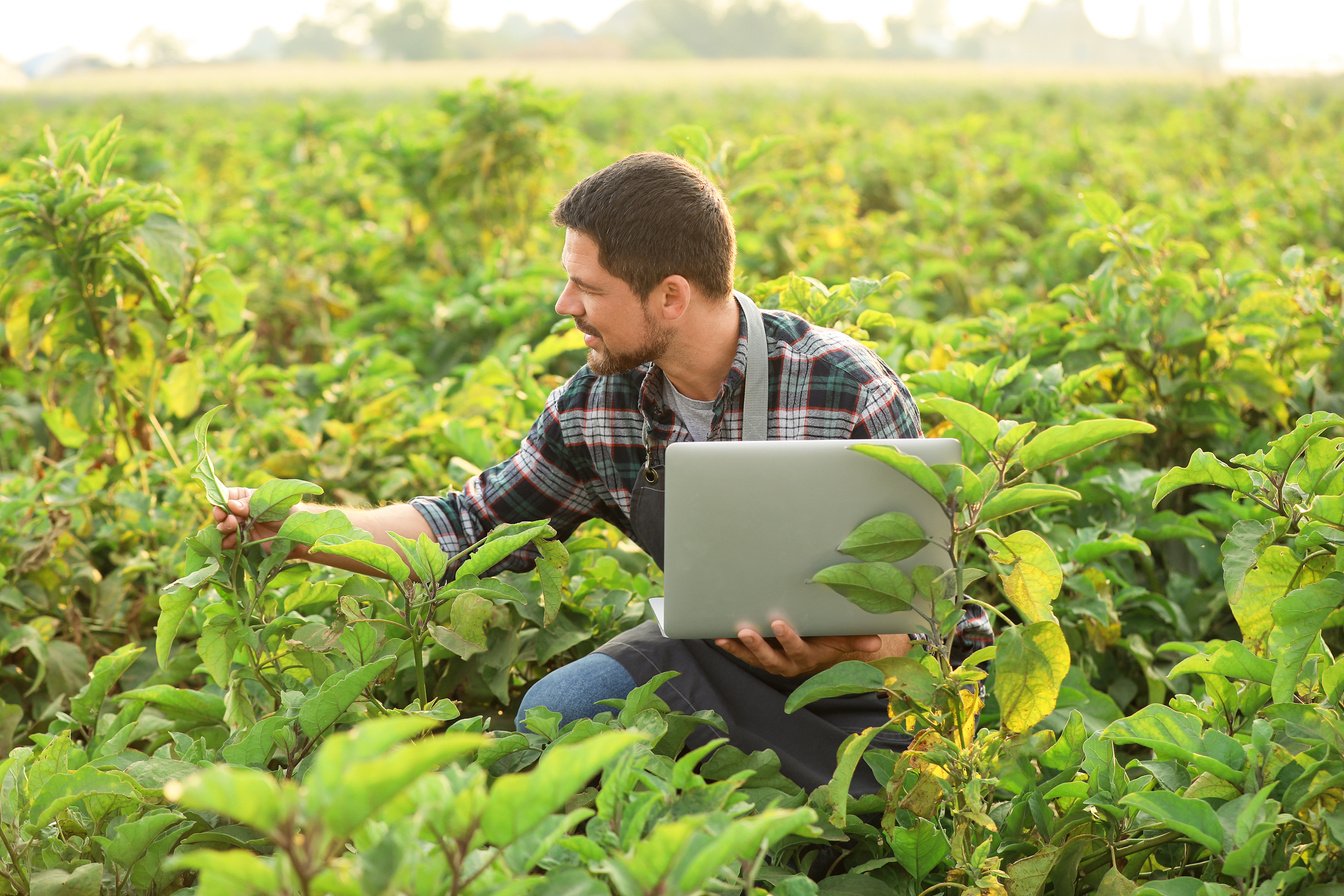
x: 661, y: 421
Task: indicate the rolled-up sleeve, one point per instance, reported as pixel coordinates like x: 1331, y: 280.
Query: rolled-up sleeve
x: 541, y: 481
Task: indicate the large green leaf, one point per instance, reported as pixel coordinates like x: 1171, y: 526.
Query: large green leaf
x: 1058, y: 442
x: 1028, y: 876
x: 307, y: 528
x: 502, y: 542
x: 1230, y: 659
x: 86, y: 880
x: 1024, y: 497
x: 875, y: 587
x: 920, y: 849
x: 1281, y: 453
x: 85, y: 706
x: 913, y: 468
x: 1029, y: 668
x: 470, y: 616
x: 1034, y: 578
x: 1298, y: 619
x: 1193, y: 818
x: 848, y: 677
x: 274, y: 498
x: 1171, y: 735
x: 356, y: 772
x: 249, y: 795
x: 379, y: 557
x: 337, y: 693
x: 519, y: 802
x: 179, y: 704
x: 981, y: 427
x: 240, y: 872
x: 886, y: 538
x: 60, y: 791
x: 552, y: 570
x: 1203, y: 469
x: 427, y: 560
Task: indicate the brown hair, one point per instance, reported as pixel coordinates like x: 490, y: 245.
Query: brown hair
x: 653, y: 215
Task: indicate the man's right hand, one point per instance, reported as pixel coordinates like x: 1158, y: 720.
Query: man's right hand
x: 231, y: 522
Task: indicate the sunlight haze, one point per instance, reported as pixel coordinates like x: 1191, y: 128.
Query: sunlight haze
x: 1276, y: 35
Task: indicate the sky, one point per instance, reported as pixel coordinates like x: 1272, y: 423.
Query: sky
x: 1277, y: 35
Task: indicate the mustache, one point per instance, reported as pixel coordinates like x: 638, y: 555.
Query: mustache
x: 584, y: 328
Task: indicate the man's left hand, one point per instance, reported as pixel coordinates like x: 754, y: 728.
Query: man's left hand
x: 798, y: 656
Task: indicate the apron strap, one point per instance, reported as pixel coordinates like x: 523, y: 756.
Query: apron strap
x: 756, y: 390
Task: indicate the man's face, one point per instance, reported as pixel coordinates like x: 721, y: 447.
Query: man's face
x: 618, y: 329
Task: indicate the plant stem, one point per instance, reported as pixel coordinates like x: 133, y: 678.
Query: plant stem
x: 417, y: 644
x: 21, y: 885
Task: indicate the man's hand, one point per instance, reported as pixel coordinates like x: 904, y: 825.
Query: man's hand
x: 798, y: 656
x: 231, y: 523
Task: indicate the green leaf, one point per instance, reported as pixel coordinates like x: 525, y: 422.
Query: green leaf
x: 454, y: 643
x: 1027, y: 877
x: 1193, y: 818
x: 172, y: 608
x: 307, y: 528
x: 1285, y: 449
x: 1299, y: 617
x: 337, y: 693
x: 981, y: 427
x: 850, y: 754
x: 1058, y: 442
x: 220, y: 636
x: 60, y: 791
x: 1034, y: 578
x: 1273, y: 575
x: 1203, y: 469
x: 502, y: 542
x: 204, y: 471
x: 519, y: 802
x: 848, y: 677
x: 257, y: 745
x: 229, y: 871
x: 135, y: 837
x: 1029, y: 669
x: 1102, y: 208
x: 379, y: 557
x: 192, y: 707
x: 249, y: 795
x: 886, y: 538
x: 273, y: 500
x: 1024, y: 497
x: 874, y: 587
x: 1230, y: 659
x: 1328, y: 509
x: 470, y: 616
x: 227, y: 300
x: 920, y: 850
x: 65, y: 427
x: 86, y: 880
x: 85, y: 706
x: 357, y: 772
x: 427, y: 560
x: 1171, y: 735
x: 183, y: 387
x: 913, y: 468
x: 907, y: 675
x: 552, y: 570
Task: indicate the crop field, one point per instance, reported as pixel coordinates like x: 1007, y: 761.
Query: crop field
x: 1126, y: 300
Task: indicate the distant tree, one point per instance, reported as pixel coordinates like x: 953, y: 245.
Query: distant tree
x: 153, y: 47
x: 316, y: 40
x: 414, y: 29
x: 265, y: 44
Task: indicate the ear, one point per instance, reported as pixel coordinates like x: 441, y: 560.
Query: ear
x: 671, y: 298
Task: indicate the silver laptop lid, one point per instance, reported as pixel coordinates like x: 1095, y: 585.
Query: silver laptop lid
x: 749, y: 523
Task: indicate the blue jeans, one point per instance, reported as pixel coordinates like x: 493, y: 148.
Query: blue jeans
x: 573, y: 690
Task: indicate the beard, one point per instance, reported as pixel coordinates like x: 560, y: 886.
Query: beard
x: 604, y: 362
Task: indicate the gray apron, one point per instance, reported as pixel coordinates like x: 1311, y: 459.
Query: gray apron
x: 750, y: 700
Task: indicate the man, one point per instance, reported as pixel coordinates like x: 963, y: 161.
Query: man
x: 649, y: 252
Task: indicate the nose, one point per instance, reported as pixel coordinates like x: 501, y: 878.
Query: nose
x: 567, y: 304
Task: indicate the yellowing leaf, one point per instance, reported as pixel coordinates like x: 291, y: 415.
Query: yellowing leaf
x: 1029, y: 669
x: 1034, y: 577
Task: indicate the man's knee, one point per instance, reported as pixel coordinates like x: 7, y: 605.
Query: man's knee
x: 575, y: 689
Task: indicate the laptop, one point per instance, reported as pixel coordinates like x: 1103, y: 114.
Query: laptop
x: 748, y: 524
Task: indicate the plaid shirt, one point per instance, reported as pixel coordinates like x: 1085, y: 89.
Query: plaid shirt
x: 581, y: 457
